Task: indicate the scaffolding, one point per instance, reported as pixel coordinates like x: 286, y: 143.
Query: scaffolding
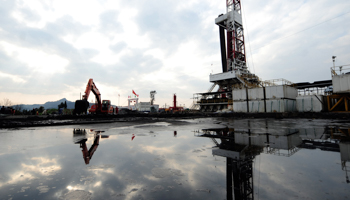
x: 274, y: 82
x: 339, y: 99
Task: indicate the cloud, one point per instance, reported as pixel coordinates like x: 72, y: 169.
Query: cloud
x: 168, y: 46
x: 37, y: 60
x: 290, y: 40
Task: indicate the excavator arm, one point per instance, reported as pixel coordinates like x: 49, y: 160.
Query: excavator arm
x: 81, y: 106
x: 92, y: 87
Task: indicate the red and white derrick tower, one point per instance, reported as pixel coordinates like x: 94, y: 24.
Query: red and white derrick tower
x: 235, y: 74
x: 233, y: 58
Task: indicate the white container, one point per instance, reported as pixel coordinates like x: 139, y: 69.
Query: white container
x: 344, y: 151
x: 285, y: 142
x: 312, y: 133
x: 283, y: 131
x: 256, y: 140
x: 310, y: 103
x: 146, y: 106
x: 239, y: 95
x: 256, y: 106
x: 280, y: 105
x: 281, y: 92
x: 341, y: 83
x: 239, y: 106
x: 256, y: 93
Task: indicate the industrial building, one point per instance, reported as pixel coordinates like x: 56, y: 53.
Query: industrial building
x: 241, y: 91
x: 134, y: 104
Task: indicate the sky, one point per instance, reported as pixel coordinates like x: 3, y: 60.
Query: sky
x: 50, y: 49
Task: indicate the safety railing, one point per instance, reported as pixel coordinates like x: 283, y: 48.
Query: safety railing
x: 338, y: 70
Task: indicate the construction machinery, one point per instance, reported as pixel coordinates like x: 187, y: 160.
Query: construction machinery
x: 100, y: 106
x: 152, y: 96
x: 174, y: 108
x: 80, y: 134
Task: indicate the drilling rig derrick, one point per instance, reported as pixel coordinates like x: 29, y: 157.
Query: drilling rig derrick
x: 235, y: 73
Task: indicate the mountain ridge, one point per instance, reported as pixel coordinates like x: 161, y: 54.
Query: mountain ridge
x: 48, y: 104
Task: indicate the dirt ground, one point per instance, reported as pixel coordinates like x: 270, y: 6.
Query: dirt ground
x: 14, y: 121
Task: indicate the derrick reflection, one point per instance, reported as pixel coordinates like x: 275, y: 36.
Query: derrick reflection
x: 80, y: 137
x: 239, y: 161
x: 241, y: 146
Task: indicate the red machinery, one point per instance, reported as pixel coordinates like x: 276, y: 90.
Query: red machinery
x: 104, y: 106
x: 175, y: 108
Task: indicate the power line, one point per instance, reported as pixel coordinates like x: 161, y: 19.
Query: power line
x: 301, y: 30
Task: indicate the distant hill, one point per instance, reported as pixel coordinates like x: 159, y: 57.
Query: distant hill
x: 49, y: 104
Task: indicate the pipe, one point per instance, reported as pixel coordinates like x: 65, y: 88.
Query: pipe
x: 223, y: 49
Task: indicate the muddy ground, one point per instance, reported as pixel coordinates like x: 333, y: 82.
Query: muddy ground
x: 14, y: 121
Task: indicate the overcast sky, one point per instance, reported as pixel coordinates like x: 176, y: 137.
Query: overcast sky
x: 50, y: 48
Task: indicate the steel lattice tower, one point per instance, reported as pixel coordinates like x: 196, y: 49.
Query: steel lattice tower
x: 234, y: 57
x: 235, y: 74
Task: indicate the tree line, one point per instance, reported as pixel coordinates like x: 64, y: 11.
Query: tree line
x: 7, y: 107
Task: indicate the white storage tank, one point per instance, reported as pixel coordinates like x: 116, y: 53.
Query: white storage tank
x: 310, y: 103
x: 143, y: 106
x: 239, y: 106
x: 282, y: 131
x: 256, y: 106
x: 280, y: 105
x: 341, y: 83
x: 256, y: 93
x: 239, y: 95
x: 281, y: 92
x: 285, y: 142
x: 344, y: 151
x: 146, y: 107
x: 312, y: 133
x: 256, y: 140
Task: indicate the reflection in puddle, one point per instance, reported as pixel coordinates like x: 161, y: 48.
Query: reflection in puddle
x: 241, y: 146
x: 80, y: 138
x: 251, y: 159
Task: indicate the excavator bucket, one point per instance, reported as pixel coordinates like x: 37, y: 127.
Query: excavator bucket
x: 81, y: 106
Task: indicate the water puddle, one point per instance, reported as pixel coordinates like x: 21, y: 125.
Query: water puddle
x: 192, y: 159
